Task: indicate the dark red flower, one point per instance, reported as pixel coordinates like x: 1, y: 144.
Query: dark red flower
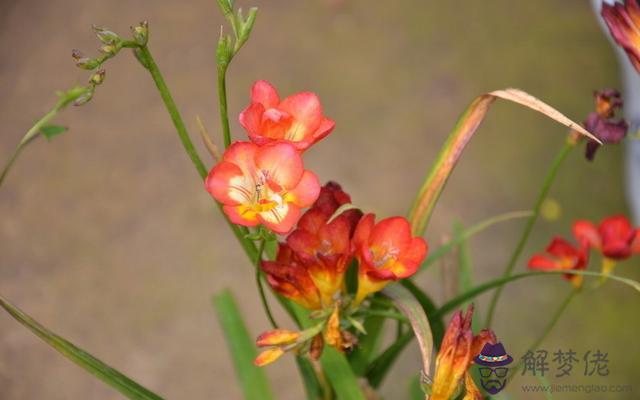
x: 603, y: 122
x: 623, y: 20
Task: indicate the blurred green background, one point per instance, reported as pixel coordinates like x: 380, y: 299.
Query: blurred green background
x: 109, y: 238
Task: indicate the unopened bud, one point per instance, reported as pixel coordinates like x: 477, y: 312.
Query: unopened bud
x: 109, y: 49
x: 98, y: 77
x: 84, y: 99
x: 141, y: 33
x: 105, y: 36
x: 87, y: 63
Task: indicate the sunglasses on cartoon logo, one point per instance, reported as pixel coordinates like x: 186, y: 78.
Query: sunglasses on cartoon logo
x: 499, y: 372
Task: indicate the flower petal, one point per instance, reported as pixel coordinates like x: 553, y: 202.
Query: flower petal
x: 250, y: 118
x: 264, y: 93
x: 228, y: 185
x: 391, y: 235
x: 243, y: 155
x: 281, y: 164
x: 586, y: 232
x: 268, y: 356
x: 307, y: 114
x: 241, y: 215
x: 307, y: 190
x: 281, y: 218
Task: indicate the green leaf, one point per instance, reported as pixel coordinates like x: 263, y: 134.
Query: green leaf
x: 415, y: 389
x: 465, y: 271
x: 377, y: 370
x: 437, y: 324
x: 361, y: 356
x: 334, y: 365
x: 478, y: 290
x: 100, y: 370
x: 309, y: 379
x: 242, y: 348
x: 342, y: 378
x: 49, y: 131
x: 412, y: 309
x: 468, y: 233
x: 458, y: 139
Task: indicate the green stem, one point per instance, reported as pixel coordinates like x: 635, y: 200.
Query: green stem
x: 259, y: 274
x: 222, y: 99
x: 531, y: 221
x: 547, y: 330
x: 165, y: 94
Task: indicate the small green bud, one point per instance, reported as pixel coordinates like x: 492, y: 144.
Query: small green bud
x: 106, y: 36
x: 84, y: 99
x: 138, y: 53
x: 109, y: 49
x: 141, y: 33
x: 84, y: 62
x: 98, y: 77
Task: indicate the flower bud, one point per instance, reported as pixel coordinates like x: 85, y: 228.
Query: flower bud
x: 268, y: 356
x: 109, y: 49
x: 106, y: 36
x: 141, y: 33
x: 84, y: 62
x: 277, y: 337
x: 84, y: 99
x: 98, y: 77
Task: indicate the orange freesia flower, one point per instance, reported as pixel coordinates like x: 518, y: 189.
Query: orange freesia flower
x: 386, y: 251
x: 297, y: 119
x: 323, y: 246
x: 562, y: 255
x: 623, y: 21
x: 262, y: 185
x: 456, y: 355
x: 472, y: 391
x: 310, y: 267
x: 615, y: 237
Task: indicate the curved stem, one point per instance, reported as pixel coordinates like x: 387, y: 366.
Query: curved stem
x: 547, y: 330
x: 150, y: 64
x: 263, y: 297
x: 531, y: 221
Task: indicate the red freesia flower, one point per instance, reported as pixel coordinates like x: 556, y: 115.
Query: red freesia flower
x: 323, y: 246
x: 561, y: 255
x: 310, y: 267
x: 297, y: 119
x: 387, y: 252
x: 623, y: 20
x: 615, y: 237
x: 262, y: 185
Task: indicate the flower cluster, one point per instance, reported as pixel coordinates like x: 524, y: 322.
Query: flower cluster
x: 263, y: 182
x: 455, y: 357
x: 615, y: 238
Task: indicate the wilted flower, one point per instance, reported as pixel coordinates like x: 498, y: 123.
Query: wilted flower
x: 603, y: 122
x: 386, y: 251
x: 623, y: 20
x: 615, y: 237
x: 561, y: 255
x: 457, y: 350
x: 262, y: 185
x: 297, y: 119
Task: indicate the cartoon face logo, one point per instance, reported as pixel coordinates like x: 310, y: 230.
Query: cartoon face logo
x: 492, y: 362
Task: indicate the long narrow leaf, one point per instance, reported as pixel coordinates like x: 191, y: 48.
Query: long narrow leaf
x: 459, y: 138
x: 243, y: 351
x: 437, y: 324
x: 478, y: 290
x: 100, y: 370
x: 469, y: 232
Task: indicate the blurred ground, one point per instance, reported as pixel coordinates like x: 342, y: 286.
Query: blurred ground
x: 109, y: 239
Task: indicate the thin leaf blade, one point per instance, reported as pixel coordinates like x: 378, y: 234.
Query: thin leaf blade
x: 458, y: 139
x: 80, y: 357
x: 253, y: 380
